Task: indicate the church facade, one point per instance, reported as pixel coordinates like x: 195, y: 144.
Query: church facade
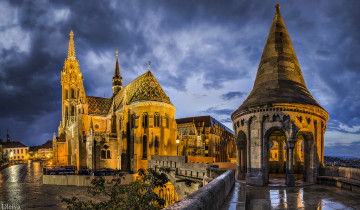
x: 120, y: 132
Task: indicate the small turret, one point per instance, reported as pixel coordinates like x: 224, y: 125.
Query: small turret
x: 117, y: 79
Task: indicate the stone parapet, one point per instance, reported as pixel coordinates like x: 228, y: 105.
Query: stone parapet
x: 348, y: 178
x: 211, y: 196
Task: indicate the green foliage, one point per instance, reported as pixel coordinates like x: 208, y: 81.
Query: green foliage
x: 139, y: 194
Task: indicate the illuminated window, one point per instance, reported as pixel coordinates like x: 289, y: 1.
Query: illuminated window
x: 103, y: 154
x: 144, y: 147
x: 156, y: 145
x: 156, y: 119
x: 145, y: 122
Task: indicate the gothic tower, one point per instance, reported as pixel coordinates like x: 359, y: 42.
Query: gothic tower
x: 117, y: 78
x: 73, y: 102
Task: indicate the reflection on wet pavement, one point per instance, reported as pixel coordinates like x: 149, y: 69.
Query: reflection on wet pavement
x: 306, y: 197
x: 21, y: 186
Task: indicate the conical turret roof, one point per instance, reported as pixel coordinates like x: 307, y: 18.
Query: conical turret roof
x: 279, y: 78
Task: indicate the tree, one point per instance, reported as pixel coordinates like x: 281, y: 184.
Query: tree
x: 139, y: 194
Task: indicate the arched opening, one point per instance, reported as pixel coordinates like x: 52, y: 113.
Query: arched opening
x: 108, y: 156
x: 72, y: 93
x: 276, y: 156
x: 103, y: 154
x: 144, y: 147
x: 145, y: 122
x: 156, y: 120
x: 156, y: 145
x: 66, y: 94
x: 168, y: 193
x: 304, y: 161
x: 241, y: 145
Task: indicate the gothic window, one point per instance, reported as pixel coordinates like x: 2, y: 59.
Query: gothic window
x: 66, y: 112
x: 108, y: 154
x: 145, y: 122
x: 144, y: 147
x: 66, y: 96
x: 156, y: 119
x: 103, y: 154
x: 156, y: 145
x: 72, y: 91
x: 72, y: 110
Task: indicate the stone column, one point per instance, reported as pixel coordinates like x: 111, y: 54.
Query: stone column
x: 281, y: 156
x: 241, y: 170
x: 238, y: 160
x: 243, y: 161
x: 290, y: 178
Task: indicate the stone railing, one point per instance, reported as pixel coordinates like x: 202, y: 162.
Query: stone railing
x: 348, y: 178
x: 212, y: 195
x: 180, y: 166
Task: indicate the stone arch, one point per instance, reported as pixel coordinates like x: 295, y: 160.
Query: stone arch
x: 278, y: 165
x: 241, y: 146
x: 310, y: 163
x: 172, y: 180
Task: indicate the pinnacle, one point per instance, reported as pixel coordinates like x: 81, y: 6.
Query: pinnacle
x: 279, y: 78
x: 71, y: 53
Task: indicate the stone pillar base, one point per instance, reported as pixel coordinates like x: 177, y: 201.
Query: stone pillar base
x: 257, y: 180
x: 290, y: 180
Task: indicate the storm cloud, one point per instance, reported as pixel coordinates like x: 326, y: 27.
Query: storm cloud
x: 205, y: 54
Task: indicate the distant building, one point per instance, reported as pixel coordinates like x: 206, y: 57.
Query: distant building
x: 14, y: 150
x: 205, y: 136
x: 43, y: 151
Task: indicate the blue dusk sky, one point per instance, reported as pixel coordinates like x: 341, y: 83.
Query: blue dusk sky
x: 205, y: 54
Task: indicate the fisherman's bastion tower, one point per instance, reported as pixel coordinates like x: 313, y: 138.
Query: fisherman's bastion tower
x: 280, y: 127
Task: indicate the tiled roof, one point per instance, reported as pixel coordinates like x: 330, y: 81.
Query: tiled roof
x: 97, y: 105
x: 208, y: 122
x: 12, y: 144
x: 143, y: 88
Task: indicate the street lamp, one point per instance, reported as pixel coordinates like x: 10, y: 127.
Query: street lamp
x: 177, y: 147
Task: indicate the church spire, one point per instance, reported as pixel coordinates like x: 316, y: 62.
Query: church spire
x: 71, y: 53
x: 117, y: 79
x: 279, y: 78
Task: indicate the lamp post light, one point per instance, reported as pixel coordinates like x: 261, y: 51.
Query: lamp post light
x: 177, y: 147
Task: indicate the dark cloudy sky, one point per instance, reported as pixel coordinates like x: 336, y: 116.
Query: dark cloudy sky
x: 205, y: 54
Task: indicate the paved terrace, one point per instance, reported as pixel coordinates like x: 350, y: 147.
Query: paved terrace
x: 305, y: 197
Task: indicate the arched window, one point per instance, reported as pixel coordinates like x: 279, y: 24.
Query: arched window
x: 66, y: 95
x: 66, y: 112
x: 103, y: 154
x: 145, y: 122
x: 72, y: 92
x: 72, y: 110
x: 144, y: 147
x: 108, y: 154
x: 156, y: 119
x: 156, y: 145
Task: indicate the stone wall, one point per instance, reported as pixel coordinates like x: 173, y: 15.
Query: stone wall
x: 211, y: 196
x: 348, y: 178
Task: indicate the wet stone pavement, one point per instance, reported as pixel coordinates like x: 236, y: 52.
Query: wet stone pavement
x: 305, y: 197
x: 21, y: 188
